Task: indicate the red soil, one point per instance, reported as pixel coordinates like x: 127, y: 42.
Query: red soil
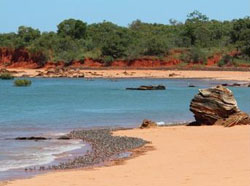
x: 53, y: 65
x: 21, y: 58
x: 18, y: 58
x: 213, y: 60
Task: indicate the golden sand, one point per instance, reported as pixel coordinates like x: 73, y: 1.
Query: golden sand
x: 190, y: 156
x: 221, y: 75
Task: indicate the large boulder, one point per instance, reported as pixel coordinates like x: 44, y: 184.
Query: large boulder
x: 218, y: 106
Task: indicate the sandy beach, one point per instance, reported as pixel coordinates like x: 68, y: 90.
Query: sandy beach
x: 190, y: 156
x: 118, y: 73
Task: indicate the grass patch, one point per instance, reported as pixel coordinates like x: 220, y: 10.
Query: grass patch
x: 6, y: 76
x: 22, y: 82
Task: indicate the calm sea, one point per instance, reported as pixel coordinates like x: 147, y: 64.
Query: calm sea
x: 51, y: 107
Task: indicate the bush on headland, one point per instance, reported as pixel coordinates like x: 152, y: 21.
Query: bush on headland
x: 194, y: 40
x: 22, y: 82
x: 6, y: 76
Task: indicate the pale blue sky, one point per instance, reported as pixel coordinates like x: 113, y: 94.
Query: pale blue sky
x: 46, y: 14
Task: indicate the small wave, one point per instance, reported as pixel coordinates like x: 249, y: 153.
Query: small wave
x: 19, y: 164
x: 46, y: 156
x: 56, y: 134
x: 160, y: 123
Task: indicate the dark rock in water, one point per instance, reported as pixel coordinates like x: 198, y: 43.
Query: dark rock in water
x: 191, y: 85
x: 64, y: 138
x: 32, y: 138
x: 236, y: 85
x: 225, y: 84
x: 217, y: 105
x: 151, y: 87
x: 148, y: 124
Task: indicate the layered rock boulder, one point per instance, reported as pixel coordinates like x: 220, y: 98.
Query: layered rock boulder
x: 217, y: 106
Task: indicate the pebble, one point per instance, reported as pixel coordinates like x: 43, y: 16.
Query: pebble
x: 104, y: 147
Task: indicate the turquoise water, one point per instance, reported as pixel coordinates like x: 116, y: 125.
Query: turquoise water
x: 53, y: 106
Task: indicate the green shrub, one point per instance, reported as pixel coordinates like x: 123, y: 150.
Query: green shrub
x: 94, y: 54
x: 197, y: 55
x: 6, y: 76
x: 221, y: 63
x: 107, y: 60
x: 22, y: 82
x: 185, y: 57
x: 225, y: 60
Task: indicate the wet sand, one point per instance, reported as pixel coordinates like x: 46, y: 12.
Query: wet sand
x: 113, y: 73
x: 190, y: 156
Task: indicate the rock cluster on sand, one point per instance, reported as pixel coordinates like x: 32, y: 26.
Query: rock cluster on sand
x: 61, y: 72
x: 150, y: 87
x: 148, y: 124
x: 217, y: 106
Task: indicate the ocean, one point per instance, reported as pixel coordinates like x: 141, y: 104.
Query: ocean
x: 52, y: 107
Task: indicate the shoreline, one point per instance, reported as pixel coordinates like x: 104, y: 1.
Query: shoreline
x: 131, y: 73
x: 220, y: 157
x: 63, y: 152
x: 98, y: 150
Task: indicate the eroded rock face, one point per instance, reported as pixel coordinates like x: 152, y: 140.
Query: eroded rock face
x: 239, y: 118
x: 217, y: 105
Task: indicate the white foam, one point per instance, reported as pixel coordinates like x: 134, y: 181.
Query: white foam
x: 45, y: 156
x: 160, y: 123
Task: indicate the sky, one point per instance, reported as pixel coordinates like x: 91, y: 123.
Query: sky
x: 47, y: 14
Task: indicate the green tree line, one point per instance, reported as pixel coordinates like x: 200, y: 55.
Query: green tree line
x: 76, y: 40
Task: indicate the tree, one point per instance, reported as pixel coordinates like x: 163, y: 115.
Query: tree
x: 240, y: 35
x: 196, y: 29
x: 8, y: 40
x: 43, y: 47
x: 75, y: 29
x: 156, y: 46
x: 136, y: 25
x: 67, y: 50
x: 244, y: 43
x: 196, y: 16
x: 116, y: 43
x: 26, y: 35
x: 111, y: 39
x: 174, y: 22
x: 195, y: 39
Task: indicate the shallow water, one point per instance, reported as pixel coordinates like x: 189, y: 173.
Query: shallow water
x: 53, y: 106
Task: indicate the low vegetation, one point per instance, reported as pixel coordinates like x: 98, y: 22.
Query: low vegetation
x: 106, y: 41
x: 22, y: 82
x: 6, y: 76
